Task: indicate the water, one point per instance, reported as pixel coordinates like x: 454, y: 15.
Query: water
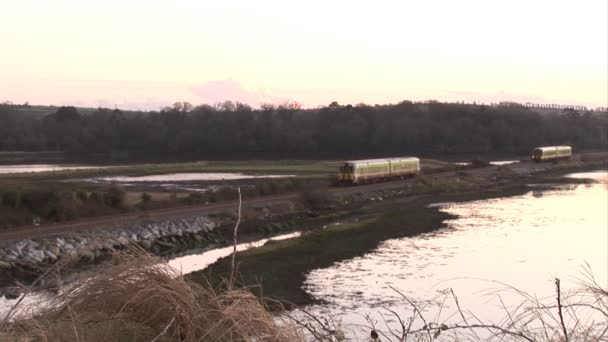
x: 199, y: 261
x: 180, y: 177
x: 189, y: 263
x: 22, y: 168
x: 494, y: 162
x: 524, y: 242
x: 503, y: 162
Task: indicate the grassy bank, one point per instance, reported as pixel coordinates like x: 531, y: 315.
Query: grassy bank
x: 279, y: 268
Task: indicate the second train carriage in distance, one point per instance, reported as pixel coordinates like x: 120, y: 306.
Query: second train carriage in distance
x: 551, y: 153
x: 367, y: 170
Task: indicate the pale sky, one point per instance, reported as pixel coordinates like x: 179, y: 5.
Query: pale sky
x: 146, y: 54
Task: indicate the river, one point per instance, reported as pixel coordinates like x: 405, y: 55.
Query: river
x: 32, y: 168
x: 522, y: 242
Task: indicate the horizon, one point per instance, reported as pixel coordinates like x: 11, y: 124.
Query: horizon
x: 148, y: 55
x: 299, y: 106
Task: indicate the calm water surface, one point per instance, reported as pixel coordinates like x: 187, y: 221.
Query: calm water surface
x: 178, y: 177
x: 524, y: 241
x: 22, y: 168
x: 193, y: 262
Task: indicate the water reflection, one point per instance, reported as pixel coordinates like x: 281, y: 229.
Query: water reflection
x: 176, y: 177
x: 504, y: 162
x: 43, y: 168
x: 523, y: 241
x: 199, y: 261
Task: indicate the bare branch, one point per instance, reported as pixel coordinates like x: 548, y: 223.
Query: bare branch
x: 234, y: 241
x: 559, y: 306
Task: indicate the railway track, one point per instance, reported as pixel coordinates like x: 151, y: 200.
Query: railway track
x: 90, y: 224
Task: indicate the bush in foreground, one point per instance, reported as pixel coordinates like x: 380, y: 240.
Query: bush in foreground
x: 141, y: 298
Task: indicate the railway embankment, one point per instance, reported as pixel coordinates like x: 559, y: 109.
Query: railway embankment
x: 25, y: 259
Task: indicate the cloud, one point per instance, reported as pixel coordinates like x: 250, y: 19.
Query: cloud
x: 228, y: 90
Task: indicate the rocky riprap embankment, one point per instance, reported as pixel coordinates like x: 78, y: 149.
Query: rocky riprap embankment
x: 24, y: 259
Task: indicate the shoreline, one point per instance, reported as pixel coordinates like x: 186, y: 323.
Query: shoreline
x: 277, y: 272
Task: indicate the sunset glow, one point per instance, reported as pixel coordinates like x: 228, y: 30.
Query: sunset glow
x: 147, y: 54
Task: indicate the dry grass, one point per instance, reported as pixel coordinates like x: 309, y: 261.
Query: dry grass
x: 138, y: 297
x: 141, y: 298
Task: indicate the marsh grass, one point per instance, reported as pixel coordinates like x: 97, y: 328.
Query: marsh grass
x: 140, y: 298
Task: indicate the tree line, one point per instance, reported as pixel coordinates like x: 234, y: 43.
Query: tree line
x: 236, y: 130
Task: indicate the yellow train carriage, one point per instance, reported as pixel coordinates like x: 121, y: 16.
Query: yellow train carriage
x: 551, y: 153
x: 404, y: 167
x: 360, y: 171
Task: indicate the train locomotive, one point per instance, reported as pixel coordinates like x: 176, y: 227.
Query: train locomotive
x: 373, y: 170
x: 547, y: 153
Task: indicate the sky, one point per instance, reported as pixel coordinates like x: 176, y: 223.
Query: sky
x: 145, y: 54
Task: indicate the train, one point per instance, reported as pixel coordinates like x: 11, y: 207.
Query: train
x: 547, y: 153
x: 372, y: 170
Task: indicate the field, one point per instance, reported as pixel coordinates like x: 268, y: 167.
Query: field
x: 69, y: 194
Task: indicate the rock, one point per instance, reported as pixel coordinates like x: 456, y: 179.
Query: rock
x: 51, y: 256
x: 145, y: 244
x: 37, y: 255
x: 54, y: 250
x: 86, y: 254
x: 165, y: 244
x: 18, y: 247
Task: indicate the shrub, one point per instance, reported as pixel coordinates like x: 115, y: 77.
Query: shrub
x: 479, y: 163
x: 141, y: 298
x: 145, y: 197
x: 11, y: 199
x: 37, y: 200
x: 114, y: 196
x: 95, y: 196
x: 316, y: 198
x: 82, y: 195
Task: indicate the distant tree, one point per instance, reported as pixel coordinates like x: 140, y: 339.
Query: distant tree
x: 64, y: 114
x: 234, y: 129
